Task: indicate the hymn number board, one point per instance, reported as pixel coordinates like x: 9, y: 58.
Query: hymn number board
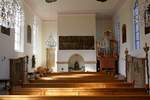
x: 76, y: 42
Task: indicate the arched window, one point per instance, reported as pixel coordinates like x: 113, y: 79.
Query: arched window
x: 12, y: 16
x: 136, y: 24
x: 19, y: 28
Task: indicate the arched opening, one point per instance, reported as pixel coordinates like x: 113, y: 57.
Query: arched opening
x: 76, y: 63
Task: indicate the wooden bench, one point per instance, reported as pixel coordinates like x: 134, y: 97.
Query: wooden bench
x: 78, y: 85
x: 79, y: 88
x: 74, y: 77
x: 48, y: 80
x: 78, y: 91
x: 26, y: 91
x: 105, y: 97
x: 77, y: 76
x: 89, y: 74
x: 65, y: 77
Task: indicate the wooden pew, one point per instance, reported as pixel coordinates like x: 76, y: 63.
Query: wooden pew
x: 68, y: 73
x: 47, y: 80
x: 26, y: 91
x: 89, y: 74
x: 76, y: 78
x: 78, y: 85
x: 63, y: 89
x: 105, y: 97
x: 78, y: 91
x: 113, y: 91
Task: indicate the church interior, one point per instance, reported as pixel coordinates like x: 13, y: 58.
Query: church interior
x: 74, y: 49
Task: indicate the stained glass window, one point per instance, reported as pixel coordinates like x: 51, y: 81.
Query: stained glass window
x: 136, y: 25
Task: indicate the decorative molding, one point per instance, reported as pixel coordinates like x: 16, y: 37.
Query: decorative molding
x: 77, y: 12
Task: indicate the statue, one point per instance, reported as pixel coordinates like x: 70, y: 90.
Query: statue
x: 76, y: 66
x: 33, y: 61
x: 105, y: 44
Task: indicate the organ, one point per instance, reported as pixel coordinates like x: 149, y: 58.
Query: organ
x: 107, y: 53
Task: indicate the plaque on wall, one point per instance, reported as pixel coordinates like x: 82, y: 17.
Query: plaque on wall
x: 124, y: 34
x: 76, y: 42
x: 5, y: 30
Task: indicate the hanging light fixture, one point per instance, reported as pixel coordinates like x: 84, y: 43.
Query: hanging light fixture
x: 102, y: 0
x: 9, y: 9
x: 50, y: 1
x: 51, y: 42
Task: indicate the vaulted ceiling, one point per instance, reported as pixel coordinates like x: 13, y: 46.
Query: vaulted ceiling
x: 49, y: 11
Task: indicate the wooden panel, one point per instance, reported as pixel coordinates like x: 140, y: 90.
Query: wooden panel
x: 18, y: 69
x: 136, y: 70
x: 108, y: 63
x: 76, y: 42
